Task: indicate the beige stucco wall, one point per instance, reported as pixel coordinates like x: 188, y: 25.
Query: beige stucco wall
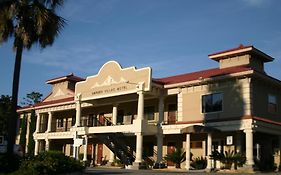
x: 235, y: 61
x: 236, y: 101
x: 261, y: 90
x: 61, y: 90
x: 247, y: 59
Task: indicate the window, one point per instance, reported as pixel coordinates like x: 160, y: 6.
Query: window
x: 212, y: 102
x: 60, y: 123
x: 272, y: 103
x: 149, y: 112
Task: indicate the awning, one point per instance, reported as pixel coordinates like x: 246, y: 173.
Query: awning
x: 196, y: 129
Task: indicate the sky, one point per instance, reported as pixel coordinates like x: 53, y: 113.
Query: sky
x: 171, y: 37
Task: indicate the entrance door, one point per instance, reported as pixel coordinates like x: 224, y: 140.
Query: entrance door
x: 172, y: 113
x: 99, y: 154
x: 171, y: 147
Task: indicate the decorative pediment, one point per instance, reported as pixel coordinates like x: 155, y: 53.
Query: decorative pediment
x: 113, y: 80
x: 109, y: 81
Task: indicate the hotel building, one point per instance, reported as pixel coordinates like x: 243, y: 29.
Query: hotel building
x: 125, y: 113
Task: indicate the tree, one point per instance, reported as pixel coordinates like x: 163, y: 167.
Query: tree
x: 32, y: 98
x: 27, y: 22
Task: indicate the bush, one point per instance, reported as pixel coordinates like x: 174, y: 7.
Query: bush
x: 9, y: 163
x: 176, y: 157
x: 228, y: 158
x: 199, y: 163
x: 51, y: 162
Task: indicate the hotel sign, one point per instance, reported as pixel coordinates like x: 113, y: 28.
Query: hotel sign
x: 113, y: 80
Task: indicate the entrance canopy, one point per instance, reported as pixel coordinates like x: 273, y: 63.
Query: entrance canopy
x: 197, y: 129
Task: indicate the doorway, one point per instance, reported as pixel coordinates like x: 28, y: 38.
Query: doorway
x: 172, y: 113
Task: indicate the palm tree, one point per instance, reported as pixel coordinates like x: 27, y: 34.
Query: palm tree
x: 27, y: 22
x: 177, y: 157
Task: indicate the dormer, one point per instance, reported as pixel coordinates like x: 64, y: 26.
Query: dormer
x: 63, y: 87
x: 242, y: 55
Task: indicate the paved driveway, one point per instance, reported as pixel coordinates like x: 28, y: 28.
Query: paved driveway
x: 112, y: 171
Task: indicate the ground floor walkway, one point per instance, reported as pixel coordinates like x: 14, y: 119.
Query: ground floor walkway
x: 114, y: 171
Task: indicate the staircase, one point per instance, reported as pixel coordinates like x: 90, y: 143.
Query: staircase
x: 117, y: 144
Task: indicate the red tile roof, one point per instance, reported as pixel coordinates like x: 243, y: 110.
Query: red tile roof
x: 210, y: 73
x: 69, y: 99
x: 241, y: 46
x: 244, y: 49
x: 70, y: 77
x: 52, y: 102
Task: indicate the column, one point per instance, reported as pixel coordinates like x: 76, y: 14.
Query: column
x: 209, y: 151
x: 140, y: 106
x: 159, y: 148
x: 37, y: 122
x: 139, y: 148
x: 187, y: 155
x: 78, y: 110
x: 161, y: 109
x: 49, y: 128
x: 74, y: 151
x: 114, y: 114
x: 47, y: 144
x: 36, y: 147
x: 249, y: 147
x: 160, y: 132
x: 114, y: 122
x: 85, y: 148
x: 75, y: 148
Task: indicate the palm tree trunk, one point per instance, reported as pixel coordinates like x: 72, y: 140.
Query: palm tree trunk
x: 12, y: 121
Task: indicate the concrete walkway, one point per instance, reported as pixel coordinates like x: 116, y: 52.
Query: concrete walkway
x: 118, y: 171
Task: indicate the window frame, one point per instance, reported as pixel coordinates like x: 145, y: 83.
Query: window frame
x: 269, y: 103
x: 60, y: 122
x: 212, y: 93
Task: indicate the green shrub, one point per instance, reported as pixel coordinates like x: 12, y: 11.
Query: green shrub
x: 51, y: 162
x: 228, y: 158
x: 176, y: 157
x: 199, y: 163
x: 9, y: 163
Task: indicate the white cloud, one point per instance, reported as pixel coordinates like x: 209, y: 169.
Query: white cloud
x: 70, y: 58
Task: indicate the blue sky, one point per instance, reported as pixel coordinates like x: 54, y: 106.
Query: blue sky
x: 172, y: 37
